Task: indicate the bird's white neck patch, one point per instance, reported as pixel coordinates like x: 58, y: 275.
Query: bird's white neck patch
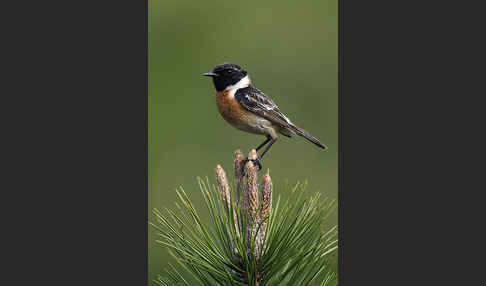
x: 244, y: 82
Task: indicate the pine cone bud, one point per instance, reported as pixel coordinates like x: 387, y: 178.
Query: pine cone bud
x: 252, y: 187
x: 267, y: 187
x: 223, y: 186
x: 238, y: 159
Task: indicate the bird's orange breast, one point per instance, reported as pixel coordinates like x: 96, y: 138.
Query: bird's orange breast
x: 230, y: 108
x: 236, y: 115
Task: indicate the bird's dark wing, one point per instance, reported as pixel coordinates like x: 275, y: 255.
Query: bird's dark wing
x: 255, y: 101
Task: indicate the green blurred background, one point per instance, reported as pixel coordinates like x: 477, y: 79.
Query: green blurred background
x: 290, y: 49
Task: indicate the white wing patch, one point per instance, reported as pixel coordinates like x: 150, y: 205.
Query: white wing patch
x: 286, y: 119
x: 272, y: 106
x: 268, y: 106
x: 255, y: 101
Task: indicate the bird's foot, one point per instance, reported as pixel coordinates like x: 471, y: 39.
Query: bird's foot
x: 255, y: 162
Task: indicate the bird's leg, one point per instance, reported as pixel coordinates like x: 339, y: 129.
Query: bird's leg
x: 268, y: 147
x: 264, y: 143
x: 265, y: 151
x: 257, y: 160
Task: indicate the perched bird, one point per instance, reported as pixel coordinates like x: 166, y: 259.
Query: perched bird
x: 245, y: 107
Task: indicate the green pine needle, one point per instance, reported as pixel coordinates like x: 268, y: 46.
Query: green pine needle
x: 299, y: 249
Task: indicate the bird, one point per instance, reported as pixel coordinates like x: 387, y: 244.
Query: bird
x: 248, y: 109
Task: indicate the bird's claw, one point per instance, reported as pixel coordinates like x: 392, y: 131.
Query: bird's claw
x: 255, y: 162
x: 258, y: 163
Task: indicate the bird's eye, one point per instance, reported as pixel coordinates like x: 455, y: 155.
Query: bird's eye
x: 230, y: 71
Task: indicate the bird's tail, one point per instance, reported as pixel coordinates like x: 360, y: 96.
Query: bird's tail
x: 306, y: 135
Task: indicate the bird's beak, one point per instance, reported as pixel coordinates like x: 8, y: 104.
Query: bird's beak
x: 211, y: 74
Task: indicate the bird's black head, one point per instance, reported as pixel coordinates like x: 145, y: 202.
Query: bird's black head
x: 226, y: 75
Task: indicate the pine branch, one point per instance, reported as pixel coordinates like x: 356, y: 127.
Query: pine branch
x: 250, y: 240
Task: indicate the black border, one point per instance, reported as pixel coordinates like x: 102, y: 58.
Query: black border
x: 404, y: 161
x: 77, y: 179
